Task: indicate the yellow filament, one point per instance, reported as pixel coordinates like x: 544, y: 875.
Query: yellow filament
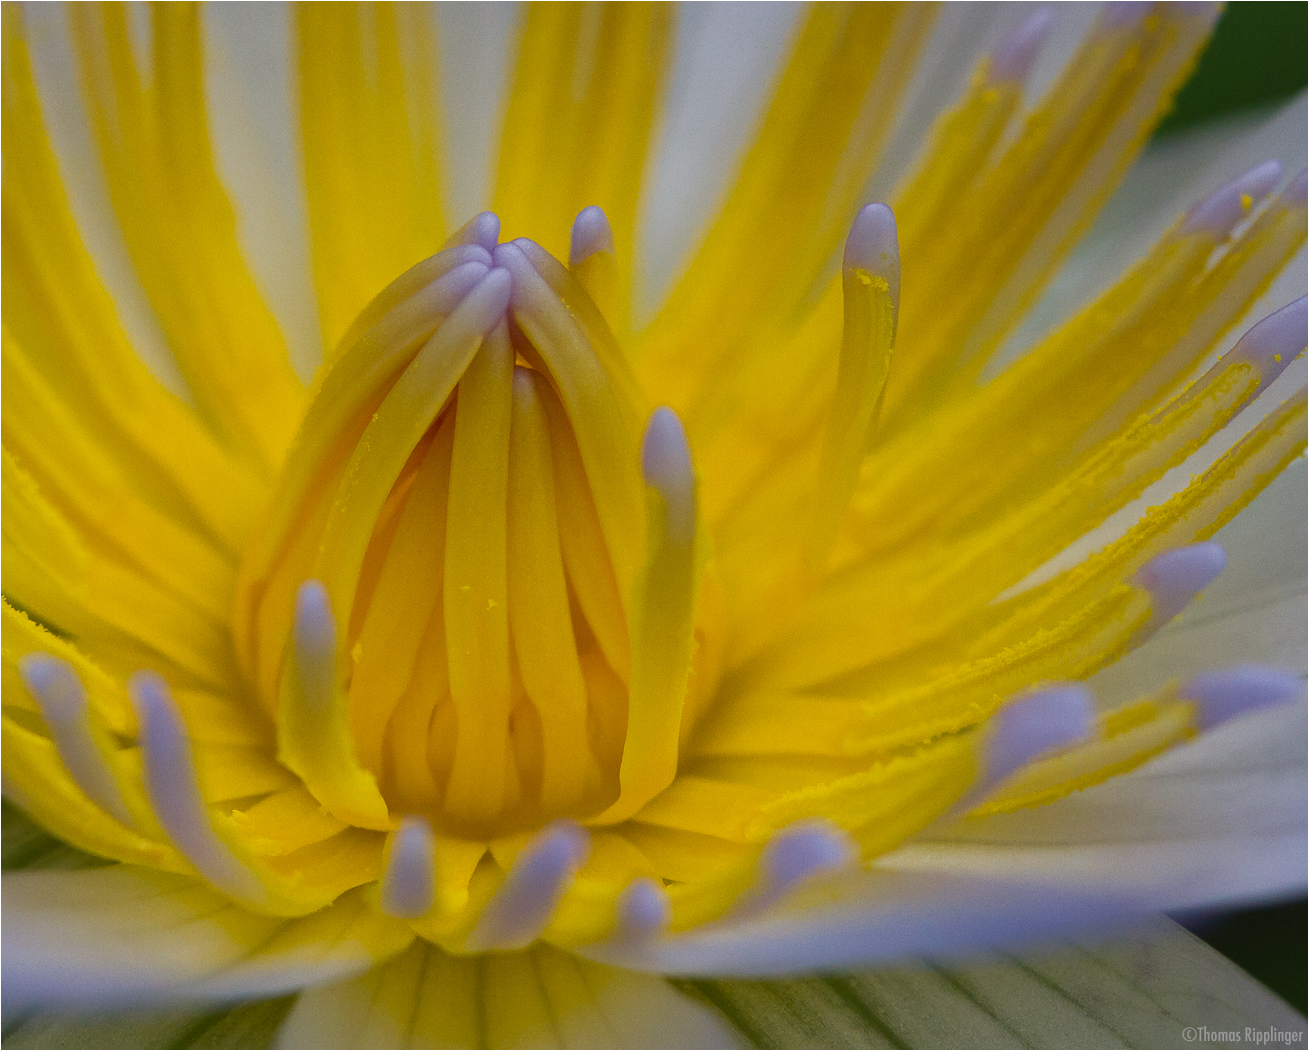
x: 91, y: 487
x: 404, y: 600
x: 370, y: 129
x: 745, y: 275
x: 542, y: 109
x: 958, y: 146
x: 1126, y: 738
x: 583, y: 544
x: 584, y: 100
x: 180, y: 230
x: 664, y: 606
x: 544, y: 645
x: 313, y: 739
x: 865, y: 360
x: 475, y: 587
x: 52, y: 570
x: 963, y: 291
x: 599, y: 277
x: 866, y: 346
x: 63, y: 324
x: 590, y: 380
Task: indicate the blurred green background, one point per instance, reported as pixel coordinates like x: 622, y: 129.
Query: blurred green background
x: 1257, y: 58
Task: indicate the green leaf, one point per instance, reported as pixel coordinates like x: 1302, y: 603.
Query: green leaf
x: 1143, y: 990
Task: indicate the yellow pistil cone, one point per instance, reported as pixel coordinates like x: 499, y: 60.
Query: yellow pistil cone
x: 459, y: 606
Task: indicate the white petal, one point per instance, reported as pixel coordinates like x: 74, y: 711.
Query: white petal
x: 1219, y: 821
x: 255, y: 128
x: 1253, y: 613
x: 961, y: 35
x: 122, y: 934
x: 873, y: 916
x: 59, y: 87
x: 538, y: 998
x: 730, y: 53
x: 1171, y: 174
x: 1143, y: 990
x: 477, y: 43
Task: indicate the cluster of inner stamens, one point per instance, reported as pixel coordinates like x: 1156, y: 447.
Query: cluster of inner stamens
x: 446, y: 587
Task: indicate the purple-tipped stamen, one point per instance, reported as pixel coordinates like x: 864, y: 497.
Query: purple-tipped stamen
x: 1042, y: 722
x: 1231, y: 692
x: 522, y: 906
x: 482, y: 229
x: 1017, y: 53
x: 1177, y: 576
x: 314, y: 638
x: 1223, y: 209
x: 666, y: 467
x: 408, y: 885
x: 1274, y: 342
x: 63, y: 703
x: 793, y: 856
x: 591, y: 234
x: 643, y: 911
x: 170, y: 780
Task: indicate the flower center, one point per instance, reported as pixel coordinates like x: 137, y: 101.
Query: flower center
x: 474, y: 596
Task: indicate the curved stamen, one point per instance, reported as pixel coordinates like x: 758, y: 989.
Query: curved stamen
x: 595, y: 388
x: 1017, y: 53
x: 871, y: 288
x: 314, y: 645
x: 482, y: 229
x: 522, y: 906
x: 64, y: 707
x: 643, y: 911
x: 409, y: 882
x: 1177, y: 576
x: 475, y: 586
x: 1037, y: 724
x: 313, y: 734
x: 1218, y: 213
x: 1231, y: 692
x: 794, y: 855
x: 1274, y: 342
x: 666, y: 467
x: 593, y: 261
x: 170, y: 781
x: 591, y: 234
x: 664, y: 617
x: 430, y: 290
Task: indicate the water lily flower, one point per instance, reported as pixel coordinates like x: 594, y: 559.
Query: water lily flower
x: 551, y: 641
